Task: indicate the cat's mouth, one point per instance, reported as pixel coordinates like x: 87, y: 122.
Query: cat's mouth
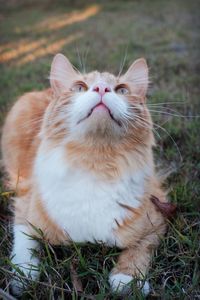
x: 101, y: 107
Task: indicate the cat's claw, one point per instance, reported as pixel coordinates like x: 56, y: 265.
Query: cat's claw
x: 120, y: 283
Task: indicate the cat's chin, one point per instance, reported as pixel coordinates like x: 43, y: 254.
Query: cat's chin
x: 100, y: 125
x: 102, y: 112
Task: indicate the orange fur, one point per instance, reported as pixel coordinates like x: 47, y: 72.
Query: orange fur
x: 20, y: 134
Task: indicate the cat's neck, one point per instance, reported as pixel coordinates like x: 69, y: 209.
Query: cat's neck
x: 109, y: 160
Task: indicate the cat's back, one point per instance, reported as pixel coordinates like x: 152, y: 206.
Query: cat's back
x: 20, y: 133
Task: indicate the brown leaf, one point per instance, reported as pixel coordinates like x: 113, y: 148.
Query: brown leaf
x: 77, y: 284
x: 167, y: 209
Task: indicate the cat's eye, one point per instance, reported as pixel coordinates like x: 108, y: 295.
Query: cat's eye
x: 79, y: 87
x: 122, y: 89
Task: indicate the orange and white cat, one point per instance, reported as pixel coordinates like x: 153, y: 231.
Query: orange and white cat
x: 80, y: 157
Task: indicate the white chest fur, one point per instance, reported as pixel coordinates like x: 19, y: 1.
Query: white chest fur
x: 80, y: 203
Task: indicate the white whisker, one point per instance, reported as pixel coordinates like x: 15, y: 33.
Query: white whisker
x: 171, y: 139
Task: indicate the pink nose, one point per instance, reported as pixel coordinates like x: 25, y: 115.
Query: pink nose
x: 101, y: 89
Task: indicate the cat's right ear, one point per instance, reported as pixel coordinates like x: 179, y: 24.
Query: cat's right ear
x: 137, y: 76
x: 62, y: 73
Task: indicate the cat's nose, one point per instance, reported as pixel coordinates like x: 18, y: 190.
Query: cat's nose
x: 101, y: 89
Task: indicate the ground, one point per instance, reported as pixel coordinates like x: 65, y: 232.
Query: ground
x: 104, y: 35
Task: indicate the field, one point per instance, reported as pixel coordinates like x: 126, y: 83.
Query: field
x: 106, y: 35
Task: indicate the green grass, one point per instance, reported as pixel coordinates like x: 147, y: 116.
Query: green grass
x: 166, y: 33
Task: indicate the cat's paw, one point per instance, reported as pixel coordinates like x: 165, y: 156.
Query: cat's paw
x: 120, y: 283
x: 19, y: 282
x: 17, y: 286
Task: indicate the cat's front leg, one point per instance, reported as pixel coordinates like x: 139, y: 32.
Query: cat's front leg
x: 23, y: 258
x: 133, y: 263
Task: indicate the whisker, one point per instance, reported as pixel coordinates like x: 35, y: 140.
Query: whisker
x: 176, y: 114
x: 122, y: 63
x: 166, y: 103
x: 160, y: 127
x: 167, y: 113
x: 79, y: 58
x: 85, y: 57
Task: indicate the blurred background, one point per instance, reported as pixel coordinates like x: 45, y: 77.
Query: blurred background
x: 100, y: 35
x: 110, y: 35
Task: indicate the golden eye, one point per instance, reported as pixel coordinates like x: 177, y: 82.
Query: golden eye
x: 79, y: 87
x: 122, y: 90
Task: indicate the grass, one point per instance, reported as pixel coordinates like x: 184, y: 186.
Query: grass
x: 102, y: 33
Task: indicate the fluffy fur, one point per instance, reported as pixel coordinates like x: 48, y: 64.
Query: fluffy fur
x: 80, y: 158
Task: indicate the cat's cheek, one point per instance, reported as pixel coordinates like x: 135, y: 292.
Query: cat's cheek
x: 121, y: 283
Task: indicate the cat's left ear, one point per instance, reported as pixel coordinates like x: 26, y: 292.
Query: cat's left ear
x: 62, y: 74
x: 137, y: 77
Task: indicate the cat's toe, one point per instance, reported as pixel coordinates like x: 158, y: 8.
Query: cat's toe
x: 144, y: 286
x: 120, y: 283
x: 17, y: 287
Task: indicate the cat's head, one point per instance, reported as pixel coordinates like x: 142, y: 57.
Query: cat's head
x: 99, y: 106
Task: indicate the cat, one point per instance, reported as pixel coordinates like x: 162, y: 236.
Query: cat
x: 79, y: 156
